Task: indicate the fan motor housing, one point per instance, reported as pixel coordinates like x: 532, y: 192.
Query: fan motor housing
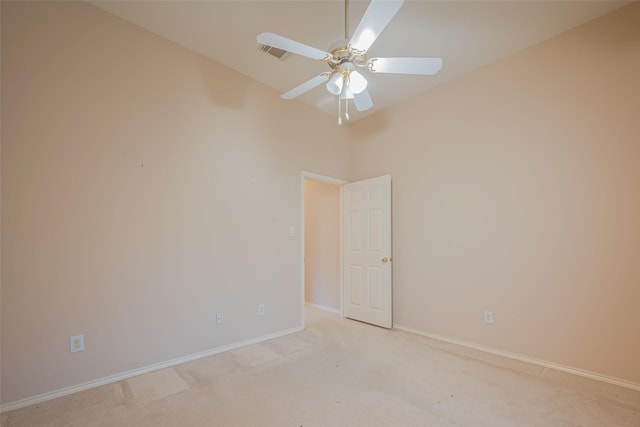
x: 344, y: 57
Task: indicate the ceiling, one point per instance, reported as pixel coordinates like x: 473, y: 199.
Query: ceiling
x: 466, y: 34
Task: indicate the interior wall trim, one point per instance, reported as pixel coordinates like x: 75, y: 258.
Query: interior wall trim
x: 505, y: 359
x: 139, y: 371
x: 323, y: 307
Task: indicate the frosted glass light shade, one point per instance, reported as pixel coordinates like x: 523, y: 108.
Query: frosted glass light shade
x: 357, y: 82
x: 346, y: 93
x: 335, y: 83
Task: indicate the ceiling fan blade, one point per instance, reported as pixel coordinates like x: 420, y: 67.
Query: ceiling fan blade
x: 427, y: 66
x: 362, y: 101
x: 305, y: 87
x: 375, y: 19
x: 292, y: 46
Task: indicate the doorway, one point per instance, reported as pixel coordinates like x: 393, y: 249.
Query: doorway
x: 351, y: 220
x: 321, y: 242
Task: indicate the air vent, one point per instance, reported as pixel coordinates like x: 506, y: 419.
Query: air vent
x: 278, y: 53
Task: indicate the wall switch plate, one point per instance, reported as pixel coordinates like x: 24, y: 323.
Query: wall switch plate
x: 488, y: 316
x: 292, y: 231
x: 220, y: 318
x: 76, y: 343
x: 260, y: 309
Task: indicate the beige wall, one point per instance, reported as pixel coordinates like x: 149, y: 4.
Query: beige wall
x: 144, y: 188
x: 322, y: 244
x: 517, y: 188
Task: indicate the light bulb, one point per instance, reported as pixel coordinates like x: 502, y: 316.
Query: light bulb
x: 340, y: 121
x: 335, y: 84
x: 357, y: 82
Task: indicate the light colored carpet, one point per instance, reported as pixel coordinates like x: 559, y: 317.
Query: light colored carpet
x: 340, y: 373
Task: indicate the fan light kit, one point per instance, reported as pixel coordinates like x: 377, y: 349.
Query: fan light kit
x: 345, y: 80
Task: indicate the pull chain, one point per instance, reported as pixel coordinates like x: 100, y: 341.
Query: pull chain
x: 346, y: 109
x: 346, y: 37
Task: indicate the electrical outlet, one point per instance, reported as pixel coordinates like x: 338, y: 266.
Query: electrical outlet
x: 260, y: 309
x: 220, y: 318
x: 76, y: 343
x: 488, y: 316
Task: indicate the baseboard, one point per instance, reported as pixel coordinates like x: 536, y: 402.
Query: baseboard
x: 323, y: 308
x: 525, y: 359
x: 144, y: 370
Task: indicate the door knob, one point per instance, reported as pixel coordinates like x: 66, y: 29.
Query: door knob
x: 385, y: 260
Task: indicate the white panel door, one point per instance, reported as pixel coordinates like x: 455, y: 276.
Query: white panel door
x: 367, y: 251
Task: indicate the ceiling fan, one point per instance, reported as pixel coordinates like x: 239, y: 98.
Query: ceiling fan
x: 347, y: 56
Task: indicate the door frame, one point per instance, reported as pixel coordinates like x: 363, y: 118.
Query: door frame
x: 329, y: 180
